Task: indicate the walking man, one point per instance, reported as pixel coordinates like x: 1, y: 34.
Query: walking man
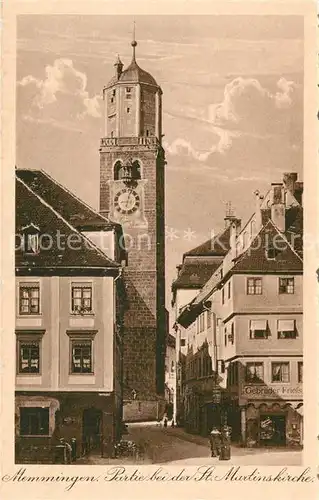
x: 215, y: 441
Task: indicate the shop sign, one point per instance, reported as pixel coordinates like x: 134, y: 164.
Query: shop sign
x: 264, y: 391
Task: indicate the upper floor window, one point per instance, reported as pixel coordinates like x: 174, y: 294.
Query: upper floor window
x: 183, y: 342
x: 201, y: 323
x: 286, y: 285
x: 231, y: 336
x: 280, y: 372
x: 300, y: 372
x: 34, y: 421
x: 286, y: 329
x: 209, y: 319
x: 258, y: 329
x: 131, y: 169
x: 254, y: 286
x: 81, y: 298
x: 29, y: 356
x: 81, y: 356
x: 223, y: 295
x: 254, y: 372
x: 229, y: 289
x: 172, y: 367
x: 29, y: 299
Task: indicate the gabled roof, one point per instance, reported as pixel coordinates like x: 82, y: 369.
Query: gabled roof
x: 62, y: 246
x: 254, y: 259
x: 69, y: 206
x: 217, y: 246
x: 195, y: 272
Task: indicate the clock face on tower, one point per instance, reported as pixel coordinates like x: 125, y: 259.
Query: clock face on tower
x: 126, y: 201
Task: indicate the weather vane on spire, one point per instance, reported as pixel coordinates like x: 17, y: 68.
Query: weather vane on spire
x: 134, y: 42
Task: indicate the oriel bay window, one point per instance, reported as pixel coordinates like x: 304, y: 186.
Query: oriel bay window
x: 81, y: 298
x: 258, y: 329
x: 29, y: 298
x: 280, y: 372
x: 286, y: 329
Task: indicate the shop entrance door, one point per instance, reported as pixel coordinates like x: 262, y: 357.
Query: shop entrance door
x: 272, y: 430
x: 91, y: 425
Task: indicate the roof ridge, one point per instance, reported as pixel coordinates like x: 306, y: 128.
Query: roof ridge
x: 71, y: 193
x: 57, y: 214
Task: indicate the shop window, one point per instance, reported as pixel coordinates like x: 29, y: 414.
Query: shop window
x: 81, y: 356
x: 258, y: 329
x: 254, y: 373
x: 81, y: 298
x: 29, y: 356
x: 280, y: 372
x: 34, y: 421
x: 29, y: 298
x: 286, y: 285
x: 286, y: 329
x: 300, y: 372
x: 254, y: 286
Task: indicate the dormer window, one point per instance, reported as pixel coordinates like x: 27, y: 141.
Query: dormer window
x: 30, y: 239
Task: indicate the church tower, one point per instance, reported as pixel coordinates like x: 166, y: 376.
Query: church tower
x: 132, y: 164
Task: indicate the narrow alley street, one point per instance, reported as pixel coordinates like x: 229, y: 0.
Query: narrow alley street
x: 173, y: 446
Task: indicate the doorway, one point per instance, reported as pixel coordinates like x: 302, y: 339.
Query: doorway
x: 272, y: 430
x: 91, y: 430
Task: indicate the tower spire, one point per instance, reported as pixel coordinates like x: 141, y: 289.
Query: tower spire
x: 133, y: 43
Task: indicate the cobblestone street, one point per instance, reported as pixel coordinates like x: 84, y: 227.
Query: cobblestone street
x: 173, y: 446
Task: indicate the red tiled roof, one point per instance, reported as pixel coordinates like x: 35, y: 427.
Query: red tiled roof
x: 56, y: 252
x: 219, y: 245
x: 72, y: 209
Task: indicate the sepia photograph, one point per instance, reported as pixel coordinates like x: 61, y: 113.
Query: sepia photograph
x: 159, y: 242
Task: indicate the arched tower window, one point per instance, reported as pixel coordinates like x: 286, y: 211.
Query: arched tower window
x: 118, y: 170
x: 136, y: 170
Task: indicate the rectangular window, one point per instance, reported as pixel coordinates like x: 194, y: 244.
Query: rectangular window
x: 225, y: 332
x: 229, y: 290
x: 183, y: 342
x: 128, y: 90
x: 29, y: 356
x: 286, y: 285
x: 254, y: 286
x: 280, y: 372
x: 81, y: 351
x: 31, y: 241
x: 29, y: 299
x: 202, y: 322
x: 300, y: 372
x: 232, y: 333
x: 128, y: 110
x: 286, y: 329
x: 34, y: 421
x: 81, y: 299
x: 223, y: 296
x: 254, y: 373
x: 258, y: 329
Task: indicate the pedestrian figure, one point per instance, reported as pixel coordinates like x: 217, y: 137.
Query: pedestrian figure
x: 173, y: 423
x: 215, y: 441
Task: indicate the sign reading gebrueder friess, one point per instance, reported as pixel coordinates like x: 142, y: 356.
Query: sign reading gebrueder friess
x: 262, y: 391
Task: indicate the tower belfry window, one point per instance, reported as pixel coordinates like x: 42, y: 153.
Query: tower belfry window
x: 128, y: 93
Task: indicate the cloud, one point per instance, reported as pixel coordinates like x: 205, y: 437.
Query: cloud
x: 63, y: 82
x: 250, y: 108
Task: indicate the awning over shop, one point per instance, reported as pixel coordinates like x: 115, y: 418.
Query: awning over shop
x: 272, y: 405
x: 258, y: 324
x: 286, y: 325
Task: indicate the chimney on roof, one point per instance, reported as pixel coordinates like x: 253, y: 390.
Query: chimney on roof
x: 235, y: 226
x: 296, y: 188
x: 278, y: 211
x: 230, y: 214
x: 258, y: 218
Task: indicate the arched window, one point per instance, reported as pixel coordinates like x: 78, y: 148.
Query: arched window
x: 136, y: 170
x: 118, y: 171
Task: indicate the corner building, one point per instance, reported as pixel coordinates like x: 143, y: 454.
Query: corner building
x: 132, y: 164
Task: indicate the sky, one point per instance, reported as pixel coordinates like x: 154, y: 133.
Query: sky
x: 232, y: 107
